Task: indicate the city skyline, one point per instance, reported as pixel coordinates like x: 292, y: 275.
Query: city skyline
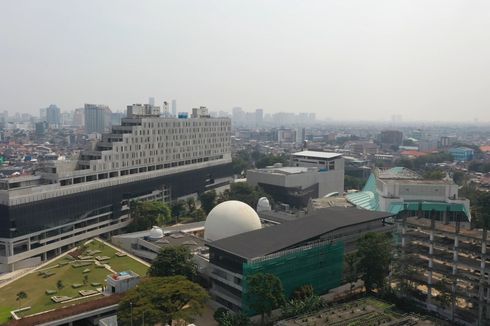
x: 342, y: 59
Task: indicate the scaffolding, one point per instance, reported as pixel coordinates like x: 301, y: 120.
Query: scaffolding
x: 319, y: 265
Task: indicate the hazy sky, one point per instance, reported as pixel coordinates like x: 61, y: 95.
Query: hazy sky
x: 345, y: 59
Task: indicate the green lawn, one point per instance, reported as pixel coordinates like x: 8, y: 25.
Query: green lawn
x: 118, y: 264
x: 35, y: 285
x: 4, y: 314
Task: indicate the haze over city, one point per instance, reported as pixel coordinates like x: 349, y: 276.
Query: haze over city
x: 368, y: 60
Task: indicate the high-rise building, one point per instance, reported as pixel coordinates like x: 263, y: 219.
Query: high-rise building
x: 97, y: 118
x: 174, y: 108
x: 259, y: 117
x: 42, y: 114
x: 79, y: 117
x: 151, y: 101
x: 146, y: 157
x: 41, y: 127
x: 53, y: 116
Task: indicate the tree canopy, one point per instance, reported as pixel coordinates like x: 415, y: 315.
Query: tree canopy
x: 479, y: 166
x: 265, y: 293
x: 420, y: 162
x: 159, y: 300
x: 246, y: 159
x: 374, y: 254
x: 434, y: 174
x: 244, y: 192
x: 227, y: 318
x: 480, y: 207
x: 208, y: 200
x: 172, y: 261
x: 146, y: 214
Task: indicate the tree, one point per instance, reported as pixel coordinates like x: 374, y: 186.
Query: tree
x: 303, y: 292
x: 268, y: 160
x: 243, y: 192
x: 60, y: 285
x: 231, y: 319
x: 21, y: 295
x: 265, y: 293
x: 434, y: 174
x: 374, y: 254
x: 351, y: 182
x: 297, y: 307
x: 85, y: 279
x: 351, y: 272
x: 178, y: 208
x: 190, y: 205
x: 172, y: 261
x: 480, y: 206
x: 198, y: 215
x: 146, y: 214
x: 208, y: 200
x: 219, y: 314
x: 161, y: 300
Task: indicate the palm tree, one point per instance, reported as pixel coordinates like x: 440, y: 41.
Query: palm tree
x: 21, y: 296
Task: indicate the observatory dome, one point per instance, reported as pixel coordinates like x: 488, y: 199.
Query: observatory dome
x: 263, y: 205
x: 156, y: 233
x: 230, y: 218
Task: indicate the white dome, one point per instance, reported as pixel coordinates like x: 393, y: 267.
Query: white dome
x: 156, y: 233
x: 263, y: 205
x: 230, y: 218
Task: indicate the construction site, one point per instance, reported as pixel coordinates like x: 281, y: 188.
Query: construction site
x: 442, y: 265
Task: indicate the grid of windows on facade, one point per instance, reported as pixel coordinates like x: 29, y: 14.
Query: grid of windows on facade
x: 153, y: 144
x: 167, y: 142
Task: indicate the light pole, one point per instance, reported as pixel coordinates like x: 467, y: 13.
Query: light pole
x: 131, y: 309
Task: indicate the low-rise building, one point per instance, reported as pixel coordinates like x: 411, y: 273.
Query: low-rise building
x: 308, y: 250
x: 312, y: 175
x: 462, y: 154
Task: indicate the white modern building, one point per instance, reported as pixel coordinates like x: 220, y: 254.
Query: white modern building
x: 146, y: 157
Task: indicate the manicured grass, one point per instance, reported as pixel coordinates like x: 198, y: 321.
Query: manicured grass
x: 5, y: 314
x: 118, y: 264
x: 35, y: 285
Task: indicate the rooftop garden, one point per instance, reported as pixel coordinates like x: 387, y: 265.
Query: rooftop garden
x: 76, y: 277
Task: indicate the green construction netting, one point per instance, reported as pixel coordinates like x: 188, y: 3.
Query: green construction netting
x: 320, y: 266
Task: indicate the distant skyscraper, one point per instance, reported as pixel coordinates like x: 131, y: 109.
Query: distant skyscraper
x: 42, y: 114
x: 259, y: 117
x: 53, y: 116
x: 78, y: 117
x: 174, y: 108
x: 151, y: 101
x: 97, y: 118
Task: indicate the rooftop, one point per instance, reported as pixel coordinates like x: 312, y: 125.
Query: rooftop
x: 316, y: 154
x: 287, y: 170
x: 397, y: 173
x: 187, y: 227
x: 287, y: 235
x: 76, y: 274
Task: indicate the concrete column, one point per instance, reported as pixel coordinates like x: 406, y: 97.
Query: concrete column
x: 487, y: 311
x: 481, y: 288
x: 431, y: 253
x: 455, y: 268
